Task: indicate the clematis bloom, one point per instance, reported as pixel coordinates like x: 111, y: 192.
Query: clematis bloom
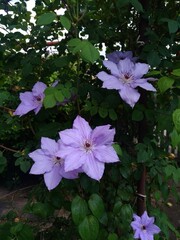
x: 125, y: 77
x: 48, y: 161
x: 144, y: 227
x: 87, y: 149
x: 31, y: 100
x: 116, y: 56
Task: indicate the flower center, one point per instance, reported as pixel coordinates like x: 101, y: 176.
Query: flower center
x: 127, y: 78
x: 87, y: 146
x: 38, y: 99
x: 57, y: 160
x: 143, y: 227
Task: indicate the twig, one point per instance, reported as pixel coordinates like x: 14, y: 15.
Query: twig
x: 9, y: 149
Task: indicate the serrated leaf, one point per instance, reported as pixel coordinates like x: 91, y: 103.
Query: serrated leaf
x: 66, y: 23
x: 46, y: 18
x: 165, y: 83
x: 89, y: 228
x: 79, y: 210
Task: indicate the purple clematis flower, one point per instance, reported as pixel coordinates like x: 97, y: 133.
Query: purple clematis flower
x: 116, y: 56
x: 125, y: 77
x: 48, y: 161
x: 144, y: 227
x: 31, y: 100
x: 88, y: 149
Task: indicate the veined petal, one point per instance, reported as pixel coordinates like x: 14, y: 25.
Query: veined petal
x: 74, y: 160
x: 152, y: 229
x: 94, y: 169
x: 22, y: 109
x: 71, y: 137
x: 145, y: 218
x: 147, y: 86
x: 102, y: 135
x: 38, y: 88
x: 129, y: 95
x: 52, y: 178
x: 126, y: 66
x: 140, y: 69
x: 49, y: 144
x: 112, y: 67
x: 109, y: 81
x: 82, y: 126
x: 105, y: 154
x: 26, y: 98
x: 41, y: 167
x: 38, y: 155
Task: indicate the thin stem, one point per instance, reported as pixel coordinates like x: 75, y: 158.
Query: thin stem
x: 9, y: 149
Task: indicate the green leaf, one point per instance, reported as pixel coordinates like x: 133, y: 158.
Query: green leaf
x: 25, y: 166
x: 96, y: 206
x: 153, y: 58
x: 112, y: 236
x: 176, y: 119
x: 46, y: 18
x: 59, y: 96
x: 137, y: 115
x: 175, y: 138
x: 112, y: 114
x: 103, y: 112
x: 176, y: 72
x: 62, y: 61
x: 43, y: 210
x: 79, y: 210
x: 169, y: 170
x: 165, y: 83
x: 88, y: 52
x: 137, y: 5
x: 3, y: 162
x: 74, y: 42
x: 66, y: 23
x: 49, y: 101
x: 117, y: 148
x: 172, y: 25
x: 89, y: 228
x: 142, y: 156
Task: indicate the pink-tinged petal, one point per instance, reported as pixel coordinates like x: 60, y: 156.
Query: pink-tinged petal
x: 38, y: 88
x: 74, y: 160
x: 105, y: 154
x: 126, y: 66
x: 112, y: 67
x: 129, y: 95
x: 71, y: 137
x: 102, y: 135
x: 94, y: 169
x: 49, y: 144
x: 22, y: 109
x: 41, y: 167
x: 52, y: 178
x: 82, y: 126
x: 147, y: 86
x: 140, y: 69
x: 109, y: 81
x: 38, y: 108
x: 27, y: 98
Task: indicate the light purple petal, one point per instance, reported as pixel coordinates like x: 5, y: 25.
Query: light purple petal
x: 153, y: 229
x: 37, y: 155
x: 103, y: 135
x: 53, y: 178
x: 22, y: 109
x: 49, y: 144
x: 145, y: 85
x: 74, y: 160
x: 38, y: 88
x: 27, y: 98
x: 109, y: 81
x: 140, y: 70
x: 38, y: 108
x: 137, y: 234
x: 68, y: 175
x: 129, y: 95
x: 106, y: 154
x: 41, y: 167
x: 94, y: 169
x: 82, y: 126
x: 112, y: 67
x: 136, y: 217
x: 145, y: 218
x: 126, y: 66
x: 71, y: 137
x: 143, y: 235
